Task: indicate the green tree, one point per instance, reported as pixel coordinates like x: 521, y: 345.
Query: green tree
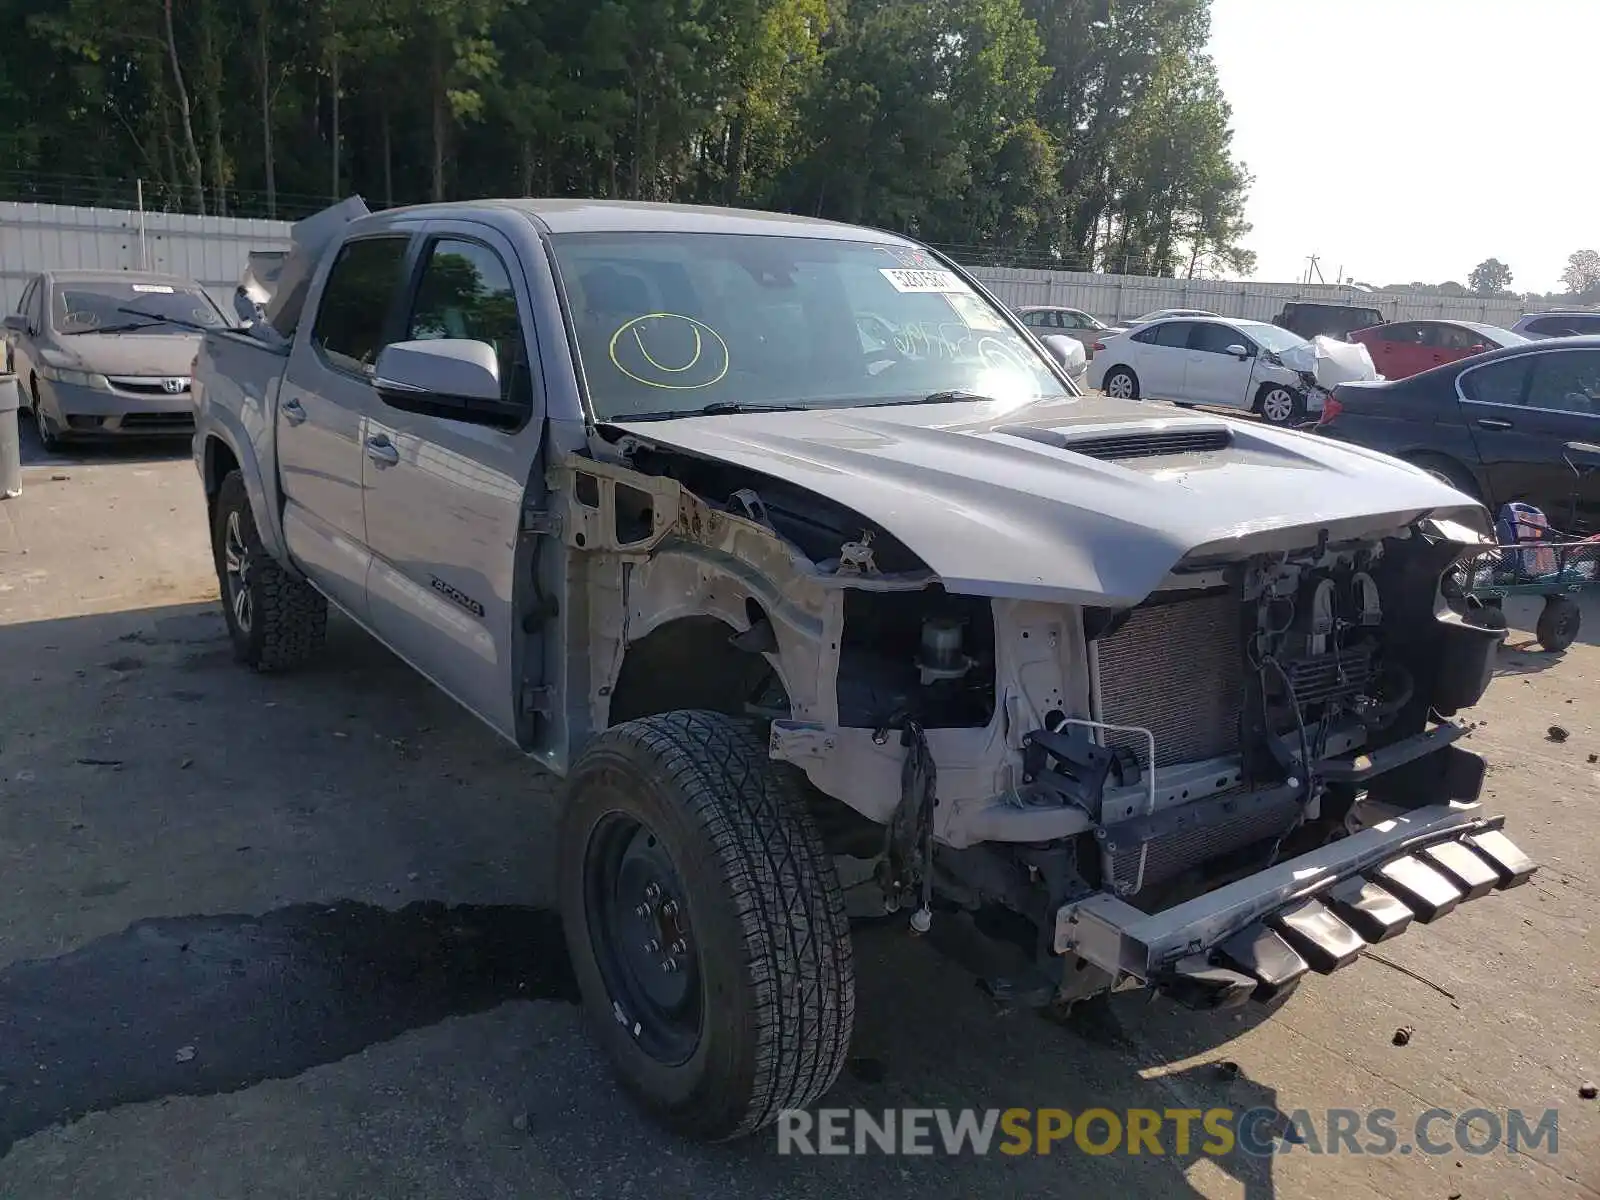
x: 1076, y: 132
x: 1490, y: 277
x: 1582, y: 274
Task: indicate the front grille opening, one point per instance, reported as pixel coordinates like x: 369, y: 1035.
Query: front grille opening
x: 1118, y: 446
x: 158, y: 421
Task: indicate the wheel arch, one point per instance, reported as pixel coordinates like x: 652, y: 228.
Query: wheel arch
x: 1125, y: 369
x: 688, y: 662
x: 1424, y: 456
x: 222, y: 453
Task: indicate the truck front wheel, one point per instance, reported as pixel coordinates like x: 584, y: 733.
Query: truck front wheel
x: 275, y: 620
x: 706, y: 925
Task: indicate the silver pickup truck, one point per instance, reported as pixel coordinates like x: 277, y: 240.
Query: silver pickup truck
x: 793, y: 551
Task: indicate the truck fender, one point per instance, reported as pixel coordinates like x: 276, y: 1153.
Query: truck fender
x: 225, y: 440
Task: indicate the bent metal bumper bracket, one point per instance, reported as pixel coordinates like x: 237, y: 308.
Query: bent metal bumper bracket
x: 1258, y: 935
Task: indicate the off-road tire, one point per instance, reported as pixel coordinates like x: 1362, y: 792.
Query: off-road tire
x: 1559, y: 622
x: 288, y: 617
x: 1123, y: 373
x: 771, y: 934
x: 1291, y: 415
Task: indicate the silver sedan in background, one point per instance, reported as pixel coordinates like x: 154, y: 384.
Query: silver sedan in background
x: 101, y: 353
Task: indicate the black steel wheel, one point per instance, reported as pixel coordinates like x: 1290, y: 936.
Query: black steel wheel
x: 1559, y: 623
x: 706, y: 925
x: 643, y: 945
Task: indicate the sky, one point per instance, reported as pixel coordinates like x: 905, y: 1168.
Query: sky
x: 1411, y: 139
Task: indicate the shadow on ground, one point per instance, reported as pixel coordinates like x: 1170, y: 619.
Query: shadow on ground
x: 200, y: 1005
x: 148, y: 776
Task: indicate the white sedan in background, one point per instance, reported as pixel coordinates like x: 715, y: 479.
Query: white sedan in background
x: 1226, y: 363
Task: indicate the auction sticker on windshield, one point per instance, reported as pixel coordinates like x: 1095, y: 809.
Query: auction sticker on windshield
x: 908, y: 279
x: 164, y: 288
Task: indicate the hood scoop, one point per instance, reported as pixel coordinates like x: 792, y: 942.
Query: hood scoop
x: 1143, y: 443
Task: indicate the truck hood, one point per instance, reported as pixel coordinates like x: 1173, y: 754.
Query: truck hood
x: 1085, y: 500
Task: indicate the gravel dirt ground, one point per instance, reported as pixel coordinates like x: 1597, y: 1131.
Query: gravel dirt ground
x: 290, y: 937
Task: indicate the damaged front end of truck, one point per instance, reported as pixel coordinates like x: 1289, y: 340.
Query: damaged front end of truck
x: 1070, y: 675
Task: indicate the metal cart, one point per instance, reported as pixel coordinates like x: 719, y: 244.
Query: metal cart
x: 1557, y: 569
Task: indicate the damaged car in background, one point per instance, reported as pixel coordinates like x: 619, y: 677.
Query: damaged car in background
x: 1229, y: 364
x: 1151, y: 699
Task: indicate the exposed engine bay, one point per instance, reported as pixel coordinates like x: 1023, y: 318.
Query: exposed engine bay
x: 1008, y: 758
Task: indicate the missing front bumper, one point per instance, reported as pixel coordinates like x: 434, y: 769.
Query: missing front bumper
x: 1257, y: 937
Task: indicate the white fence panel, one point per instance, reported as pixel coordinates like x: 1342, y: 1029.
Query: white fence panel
x: 1123, y: 297
x: 210, y: 250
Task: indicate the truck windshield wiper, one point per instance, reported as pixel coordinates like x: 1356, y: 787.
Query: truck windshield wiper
x: 950, y: 396
x: 717, y: 409
x: 722, y: 407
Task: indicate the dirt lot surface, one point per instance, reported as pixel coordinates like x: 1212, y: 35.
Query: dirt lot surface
x: 288, y: 937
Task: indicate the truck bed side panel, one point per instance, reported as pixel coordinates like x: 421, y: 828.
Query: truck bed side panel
x: 236, y: 382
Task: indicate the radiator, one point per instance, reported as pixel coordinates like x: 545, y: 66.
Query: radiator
x: 1173, y: 854
x: 1176, y: 669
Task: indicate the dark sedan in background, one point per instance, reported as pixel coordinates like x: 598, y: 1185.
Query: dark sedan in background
x: 1519, y: 423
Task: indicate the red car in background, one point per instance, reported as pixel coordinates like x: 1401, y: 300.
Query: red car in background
x: 1403, y: 348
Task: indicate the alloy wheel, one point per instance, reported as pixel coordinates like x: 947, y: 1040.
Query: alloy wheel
x: 236, y: 564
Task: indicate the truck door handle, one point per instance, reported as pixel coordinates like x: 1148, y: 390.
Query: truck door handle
x: 381, y: 451
x: 1492, y: 423
x: 293, y: 412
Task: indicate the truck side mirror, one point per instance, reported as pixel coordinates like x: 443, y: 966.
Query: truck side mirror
x: 18, y: 323
x: 1068, y: 352
x: 455, y: 378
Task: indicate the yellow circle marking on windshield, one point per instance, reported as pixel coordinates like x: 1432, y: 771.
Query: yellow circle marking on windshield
x: 699, y: 328
x: 693, y: 358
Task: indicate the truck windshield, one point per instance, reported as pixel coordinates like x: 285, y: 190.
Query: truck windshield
x: 674, y: 323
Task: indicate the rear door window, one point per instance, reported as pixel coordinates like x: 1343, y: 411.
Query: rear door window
x: 1503, y: 382
x: 353, y: 316
x: 1454, y: 337
x: 1566, y: 381
x: 1406, y: 333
